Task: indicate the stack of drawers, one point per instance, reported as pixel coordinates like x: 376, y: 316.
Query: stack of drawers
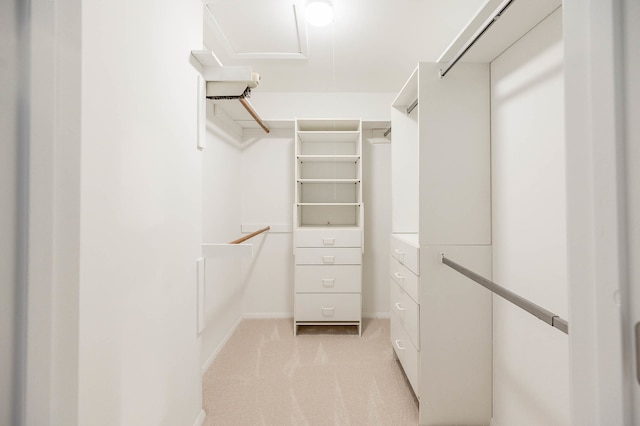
x: 328, y: 277
x: 405, y: 304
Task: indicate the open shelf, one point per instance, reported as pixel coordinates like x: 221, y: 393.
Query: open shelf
x: 328, y: 125
x: 515, y: 22
x: 328, y: 172
x: 329, y: 180
x: 328, y: 214
x: 328, y: 158
x: 328, y: 136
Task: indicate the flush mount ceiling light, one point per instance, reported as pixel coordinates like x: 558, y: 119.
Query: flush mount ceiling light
x: 319, y: 13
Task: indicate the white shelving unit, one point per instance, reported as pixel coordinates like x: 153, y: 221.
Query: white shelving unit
x: 441, y: 203
x: 440, y: 323
x: 328, y: 220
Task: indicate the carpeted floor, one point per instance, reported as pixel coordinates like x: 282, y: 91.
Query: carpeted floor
x: 327, y: 375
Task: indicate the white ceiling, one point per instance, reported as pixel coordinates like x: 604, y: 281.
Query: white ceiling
x: 372, y: 45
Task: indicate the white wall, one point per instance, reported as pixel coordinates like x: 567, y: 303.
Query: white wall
x: 529, y: 230
x: 376, y: 195
x: 267, y: 199
x: 632, y: 169
x: 221, y: 210
x: 52, y: 375
x: 601, y: 58
x: 287, y: 106
x: 12, y: 32
x: 141, y: 213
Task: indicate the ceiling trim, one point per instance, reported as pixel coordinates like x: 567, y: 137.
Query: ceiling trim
x: 300, y: 32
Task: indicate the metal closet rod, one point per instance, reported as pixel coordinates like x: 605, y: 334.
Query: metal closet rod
x: 412, y: 106
x: 535, y: 310
x: 475, y: 39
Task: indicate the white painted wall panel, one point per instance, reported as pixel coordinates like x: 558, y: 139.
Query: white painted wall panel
x: 529, y: 230
x: 267, y: 198
x: 632, y: 154
x: 454, y: 153
x: 287, y: 106
x: 141, y: 213
x: 376, y: 195
x: 13, y: 90
x: 406, y: 180
x: 221, y: 198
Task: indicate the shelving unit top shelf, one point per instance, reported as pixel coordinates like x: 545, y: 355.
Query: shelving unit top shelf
x: 329, y: 180
x: 329, y: 204
x: 328, y: 136
x: 409, y: 92
x: 328, y: 125
x: 328, y: 158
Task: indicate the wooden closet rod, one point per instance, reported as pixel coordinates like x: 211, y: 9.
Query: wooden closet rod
x: 251, y: 235
x: 253, y: 114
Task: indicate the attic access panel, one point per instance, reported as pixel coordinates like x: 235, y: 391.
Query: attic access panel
x: 259, y: 29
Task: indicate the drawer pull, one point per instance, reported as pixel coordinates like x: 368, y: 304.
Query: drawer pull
x: 328, y: 241
x: 399, y: 307
x: 328, y: 259
x: 398, y: 276
x: 327, y: 312
x: 397, y: 342
x: 328, y: 282
x: 399, y: 254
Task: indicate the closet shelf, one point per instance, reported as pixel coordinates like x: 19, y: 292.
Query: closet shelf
x: 328, y: 158
x: 329, y: 204
x: 328, y: 180
x: 234, y: 249
x: 519, y: 18
x: 328, y: 136
x: 409, y: 92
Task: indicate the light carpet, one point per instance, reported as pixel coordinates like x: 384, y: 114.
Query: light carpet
x: 327, y: 375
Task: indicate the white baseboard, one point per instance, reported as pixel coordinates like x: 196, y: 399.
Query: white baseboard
x: 267, y: 315
x: 217, y: 350
x: 200, y: 420
x: 280, y: 315
x: 493, y: 422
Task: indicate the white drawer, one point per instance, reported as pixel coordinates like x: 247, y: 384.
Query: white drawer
x: 328, y: 279
x: 328, y: 256
x: 406, y: 279
x: 406, y: 352
x: 407, y: 312
x: 327, y: 307
x: 330, y: 237
x: 407, y: 253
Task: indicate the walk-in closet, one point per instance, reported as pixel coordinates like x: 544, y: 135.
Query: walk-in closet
x: 316, y: 212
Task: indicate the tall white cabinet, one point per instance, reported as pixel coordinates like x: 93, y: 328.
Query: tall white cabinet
x: 440, y: 320
x: 328, y: 222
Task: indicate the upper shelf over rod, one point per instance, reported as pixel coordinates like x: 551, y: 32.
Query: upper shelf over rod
x: 486, y: 36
